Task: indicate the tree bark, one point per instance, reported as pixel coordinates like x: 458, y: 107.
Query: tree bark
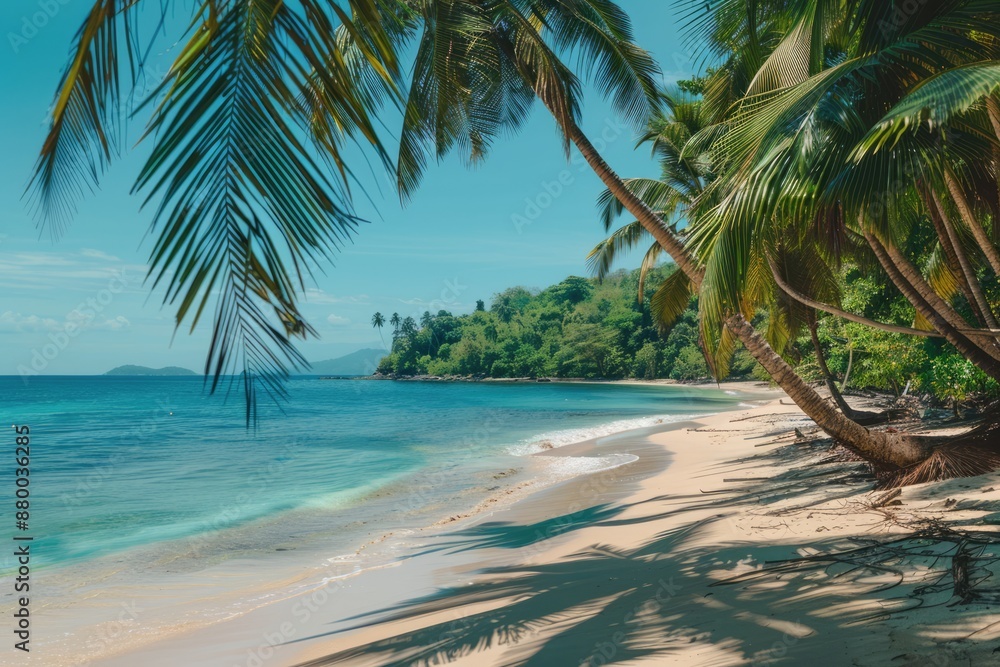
x: 944, y: 229
x: 993, y: 110
x: 880, y: 447
x: 968, y: 216
x: 877, y: 446
x: 831, y: 385
x: 850, y: 365
x: 919, y: 294
x: 978, y: 298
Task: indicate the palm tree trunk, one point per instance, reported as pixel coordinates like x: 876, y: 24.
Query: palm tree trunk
x: 880, y: 447
x: 831, y: 385
x: 850, y: 366
x: 944, y: 229
x: 978, y: 298
x: 993, y: 109
x: 649, y: 219
x: 877, y: 446
x: 968, y: 216
x: 922, y: 297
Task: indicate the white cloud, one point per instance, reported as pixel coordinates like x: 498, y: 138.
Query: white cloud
x: 85, y: 270
x: 98, y: 254
x: 319, y: 297
x: 120, y: 322
x: 337, y: 320
x: 11, y: 321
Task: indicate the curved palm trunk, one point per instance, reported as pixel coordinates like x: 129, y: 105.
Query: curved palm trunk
x: 968, y: 216
x: 978, y: 300
x: 944, y: 229
x: 927, y: 302
x: 884, y: 448
x: 850, y: 365
x: 993, y: 110
x: 876, y: 446
x: 831, y: 384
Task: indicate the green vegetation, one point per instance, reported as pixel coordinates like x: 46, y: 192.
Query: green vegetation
x: 579, y: 328
x: 586, y: 328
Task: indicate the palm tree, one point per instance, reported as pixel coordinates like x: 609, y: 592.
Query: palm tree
x: 787, y: 152
x: 682, y: 180
x: 845, y: 134
x: 395, y: 321
x: 408, y: 327
x: 378, y: 322
x: 257, y: 66
x: 476, y: 71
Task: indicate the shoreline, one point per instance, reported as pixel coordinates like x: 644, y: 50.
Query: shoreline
x: 751, y: 385
x: 287, y: 575
x: 681, y: 566
x: 535, y: 504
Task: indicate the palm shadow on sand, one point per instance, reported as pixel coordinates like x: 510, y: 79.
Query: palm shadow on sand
x: 606, y: 605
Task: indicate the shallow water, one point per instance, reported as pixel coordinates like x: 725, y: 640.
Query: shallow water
x: 121, y: 462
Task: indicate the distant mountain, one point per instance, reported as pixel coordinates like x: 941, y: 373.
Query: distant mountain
x: 130, y: 369
x: 362, y: 362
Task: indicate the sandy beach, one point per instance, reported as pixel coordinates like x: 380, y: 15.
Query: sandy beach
x: 728, y: 541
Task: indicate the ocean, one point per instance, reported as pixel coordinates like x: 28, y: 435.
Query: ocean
x: 136, y: 479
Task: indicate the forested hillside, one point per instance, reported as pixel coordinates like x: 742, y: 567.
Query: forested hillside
x: 585, y: 328
x: 579, y: 328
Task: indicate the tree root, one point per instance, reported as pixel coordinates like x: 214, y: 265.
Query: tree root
x: 976, y: 452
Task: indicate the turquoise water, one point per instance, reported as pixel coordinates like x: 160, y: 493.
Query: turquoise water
x: 122, y: 462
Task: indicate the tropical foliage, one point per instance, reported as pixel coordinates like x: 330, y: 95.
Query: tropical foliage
x: 835, y: 172
x: 597, y: 329
x: 579, y: 328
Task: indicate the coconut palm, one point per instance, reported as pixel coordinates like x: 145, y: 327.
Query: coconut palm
x: 396, y: 321
x: 378, y: 321
x: 266, y: 67
x: 477, y: 69
x: 846, y: 135
x: 794, y: 154
x: 682, y: 181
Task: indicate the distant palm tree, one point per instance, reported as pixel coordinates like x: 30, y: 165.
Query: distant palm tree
x: 408, y: 327
x: 395, y: 321
x: 378, y: 322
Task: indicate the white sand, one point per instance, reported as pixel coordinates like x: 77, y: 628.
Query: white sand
x: 637, y: 580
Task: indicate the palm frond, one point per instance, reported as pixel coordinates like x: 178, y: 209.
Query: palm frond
x: 600, y: 32
x: 601, y: 259
x: 83, y: 135
x: 670, y: 300
x: 243, y: 207
x: 934, y: 103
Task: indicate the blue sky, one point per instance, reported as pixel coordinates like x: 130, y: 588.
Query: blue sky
x: 457, y: 241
